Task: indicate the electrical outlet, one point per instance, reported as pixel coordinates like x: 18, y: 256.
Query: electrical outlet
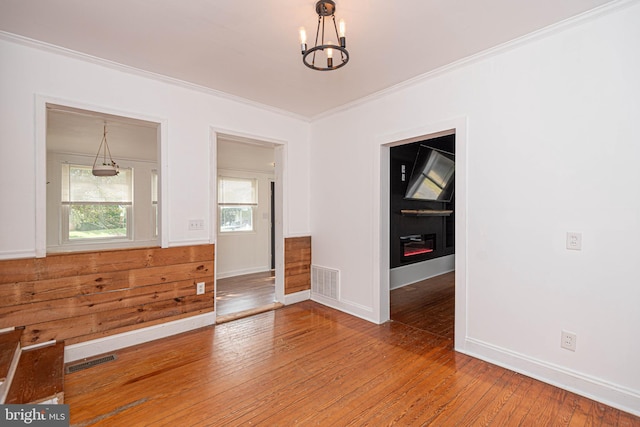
x: 574, y: 241
x: 568, y: 340
x: 199, y: 288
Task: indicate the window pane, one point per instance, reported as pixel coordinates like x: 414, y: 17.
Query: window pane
x: 236, y: 218
x: 154, y: 186
x: 79, y: 185
x: 97, y: 221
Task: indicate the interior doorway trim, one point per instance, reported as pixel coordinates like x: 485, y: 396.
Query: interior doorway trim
x: 382, y: 217
x: 280, y: 198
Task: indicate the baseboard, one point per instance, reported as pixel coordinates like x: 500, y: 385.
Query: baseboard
x: 297, y: 297
x: 104, y: 345
x: 357, y: 310
x: 412, y: 273
x: 593, y: 388
x: 17, y: 254
x: 242, y: 272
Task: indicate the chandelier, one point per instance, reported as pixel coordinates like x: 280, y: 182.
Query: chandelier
x: 324, y: 47
x: 106, y: 167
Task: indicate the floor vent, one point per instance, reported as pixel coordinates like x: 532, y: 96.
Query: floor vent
x: 89, y: 364
x: 325, y: 282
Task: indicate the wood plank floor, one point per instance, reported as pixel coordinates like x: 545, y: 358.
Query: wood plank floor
x: 428, y: 305
x: 241, y: 293
x: 307, y: 364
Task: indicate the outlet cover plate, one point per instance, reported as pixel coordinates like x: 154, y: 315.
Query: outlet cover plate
x: 574, y: 241
x: 199, y: 288
x: 568, y: 340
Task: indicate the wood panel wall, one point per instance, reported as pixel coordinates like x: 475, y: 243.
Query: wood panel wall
x: 297, y: 264
x: 82, y: 296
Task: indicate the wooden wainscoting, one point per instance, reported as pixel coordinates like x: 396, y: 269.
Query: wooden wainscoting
x: 297, y: 264
x: 82, y: 296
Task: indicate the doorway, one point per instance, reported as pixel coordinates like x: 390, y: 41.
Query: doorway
x: 246, y: 232
x: 421, y: 234
x: 459, y: 127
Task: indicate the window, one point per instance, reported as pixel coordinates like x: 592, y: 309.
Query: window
x: 154, y: 202
x: 237, y: 200
x: 95, y: 208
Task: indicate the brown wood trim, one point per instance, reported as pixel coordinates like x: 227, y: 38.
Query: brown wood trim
x: 297, y: 264
x: 38, y: 376
x: 9, y: 345
x: 80, y: 296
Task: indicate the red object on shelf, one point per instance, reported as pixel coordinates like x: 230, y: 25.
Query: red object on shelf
x: 416, y: 251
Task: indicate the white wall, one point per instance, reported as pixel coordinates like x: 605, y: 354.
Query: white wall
x: 28, y: 74
x: 552, y: 145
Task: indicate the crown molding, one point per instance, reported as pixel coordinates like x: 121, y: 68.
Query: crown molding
x: 51, y: 48
x: 540, y: 34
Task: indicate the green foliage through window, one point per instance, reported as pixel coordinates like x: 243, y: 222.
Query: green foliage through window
x: 97, y: 221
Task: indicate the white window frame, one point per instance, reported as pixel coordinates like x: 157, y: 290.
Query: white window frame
x: 154, y: 201
x: 140, y: 217
x: 65, y: 211
x: 251, y: 203
x: 64, y: 217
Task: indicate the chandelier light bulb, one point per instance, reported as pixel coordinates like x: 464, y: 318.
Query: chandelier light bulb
x: 303, y: 35
x: 303, y: 39
x: 342, y: 31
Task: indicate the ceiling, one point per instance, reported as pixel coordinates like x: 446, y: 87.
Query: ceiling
x: 71, y: 130
x: 250, y: 49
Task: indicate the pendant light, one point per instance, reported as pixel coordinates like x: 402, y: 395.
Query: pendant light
x: 338, y: 51
x: 106, y: 167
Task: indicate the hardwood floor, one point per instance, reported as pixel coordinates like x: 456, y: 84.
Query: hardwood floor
x: 246, y: 292
x: 311, y: 365
x: 428, y: 305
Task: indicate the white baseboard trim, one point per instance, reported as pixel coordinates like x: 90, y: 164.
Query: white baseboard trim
x: 17, y: 254
x: 242, y: 272
x: 357, y: 310
x: 297, y: 297
x: 98, y: 346
x: 412, y: 273
x: 593, y: 388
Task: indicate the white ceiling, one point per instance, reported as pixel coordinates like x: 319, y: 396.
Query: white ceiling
x: 251, y: 49
x: 71, y: 130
